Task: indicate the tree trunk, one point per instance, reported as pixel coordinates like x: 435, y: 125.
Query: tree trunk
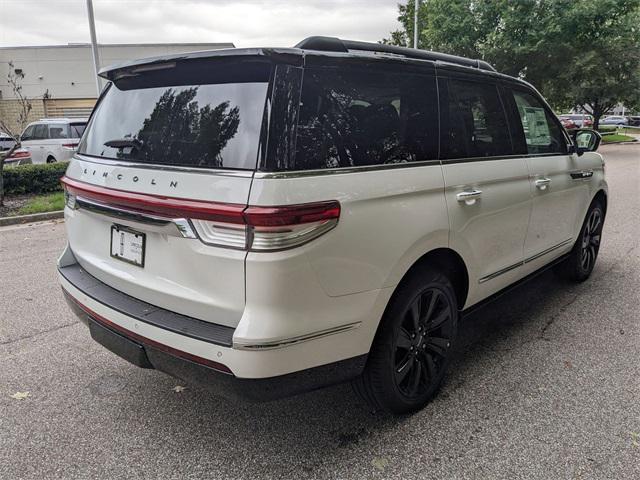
x: 4, y: 155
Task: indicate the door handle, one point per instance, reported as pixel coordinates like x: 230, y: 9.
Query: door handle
x: 542, y: 183
x: 469, y: 197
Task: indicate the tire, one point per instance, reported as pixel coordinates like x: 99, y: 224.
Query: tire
x: 582, y: 259
x: 412, y: 348
x: 51, y: 159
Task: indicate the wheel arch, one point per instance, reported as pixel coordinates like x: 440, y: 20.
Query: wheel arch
x: 601, y: 196
x: 449, y: 262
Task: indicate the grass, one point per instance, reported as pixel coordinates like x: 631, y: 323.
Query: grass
x: 621, y: 131
x: 616, y: 138
x: 43, y: 203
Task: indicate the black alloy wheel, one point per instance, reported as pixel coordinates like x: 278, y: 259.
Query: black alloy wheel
x: 582, y: 258
x: 412, y: 348
x: 590, y: 242
x: 422, y: 342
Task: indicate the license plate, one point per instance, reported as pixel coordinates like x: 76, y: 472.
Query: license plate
x: 127, y: 245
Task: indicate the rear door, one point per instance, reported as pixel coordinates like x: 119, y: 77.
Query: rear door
x: 184, y: 138
x: 58, y: 136
x: 557, y: 198
x: 367, y: 136
x: 486, y: 184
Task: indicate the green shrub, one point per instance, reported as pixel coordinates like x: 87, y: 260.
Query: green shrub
x: 33, y: 179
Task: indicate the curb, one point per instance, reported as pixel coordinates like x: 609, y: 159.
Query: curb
x: 619, y: 143
x: 34, y: 217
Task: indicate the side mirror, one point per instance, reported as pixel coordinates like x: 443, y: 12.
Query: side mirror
x: 585, y: 141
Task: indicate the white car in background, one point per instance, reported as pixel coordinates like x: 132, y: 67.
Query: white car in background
x: 6, y: 142
x: 53, y: 139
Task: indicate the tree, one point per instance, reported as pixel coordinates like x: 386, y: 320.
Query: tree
x: 179, y: 128
x: 578, y: 53
x: 14, y: 79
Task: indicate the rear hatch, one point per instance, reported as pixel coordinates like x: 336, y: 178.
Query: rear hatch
x: 169, y: 150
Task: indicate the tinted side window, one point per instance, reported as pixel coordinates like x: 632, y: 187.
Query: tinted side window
x: 58, y: 131
x: 353, y: 117
x: 28, y: 133
x: 40, y: 132
x: 474, y: 121
x: 541, y: 132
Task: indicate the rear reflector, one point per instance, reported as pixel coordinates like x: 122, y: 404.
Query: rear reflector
x: 229, y: 225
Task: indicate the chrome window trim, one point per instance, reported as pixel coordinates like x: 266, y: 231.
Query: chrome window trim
x: 524, y: 262
x: 287, y: 342
x: 390, y: 166
x: 341, y: 170
x: 169, y: 168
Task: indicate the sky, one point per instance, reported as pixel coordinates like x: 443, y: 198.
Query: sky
x: 245, y: 23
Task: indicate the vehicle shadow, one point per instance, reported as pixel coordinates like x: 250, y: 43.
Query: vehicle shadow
x: 314, y: 426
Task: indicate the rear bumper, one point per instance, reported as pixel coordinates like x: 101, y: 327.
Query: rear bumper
x: 191, y: 349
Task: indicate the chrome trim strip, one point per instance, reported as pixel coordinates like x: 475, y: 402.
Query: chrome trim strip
x: 548, y: 250
x: 500, y: 272
x: 183, y: 226
x: 341, y: 170
x: 390, y: 166
x: 525, y: 261
x: 168, y: 168
x: 287, y: 342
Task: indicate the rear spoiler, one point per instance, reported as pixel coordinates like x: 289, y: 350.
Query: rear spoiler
x: 135, y: 67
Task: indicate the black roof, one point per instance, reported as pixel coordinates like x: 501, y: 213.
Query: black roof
x: 309, y: 46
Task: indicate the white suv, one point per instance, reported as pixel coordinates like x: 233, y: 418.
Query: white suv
x: 53, y: 139
x: 268, y: 221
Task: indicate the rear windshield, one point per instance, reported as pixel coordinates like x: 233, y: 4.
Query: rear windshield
x: 194, y: 115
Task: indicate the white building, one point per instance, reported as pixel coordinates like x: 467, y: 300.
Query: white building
x: 60, y: 80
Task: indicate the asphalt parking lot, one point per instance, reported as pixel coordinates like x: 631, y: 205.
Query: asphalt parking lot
x: 546, y: 384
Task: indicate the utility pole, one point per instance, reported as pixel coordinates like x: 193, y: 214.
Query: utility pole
x: 415, y: 23
x: 94, y: 43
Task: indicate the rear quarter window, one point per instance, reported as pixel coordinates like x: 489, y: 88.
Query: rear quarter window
x: 76, y: 129
x: 353, y: 117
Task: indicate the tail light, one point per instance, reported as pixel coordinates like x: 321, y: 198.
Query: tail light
x: 253, y: 228
x: 70, y: 146
x: 19, y: 154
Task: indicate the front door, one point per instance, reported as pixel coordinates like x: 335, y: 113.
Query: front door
x: 486, y: 185
x: 35, y: 139
x: 558, y: 197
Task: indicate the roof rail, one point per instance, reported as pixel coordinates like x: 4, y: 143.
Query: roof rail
x: 332, y: 44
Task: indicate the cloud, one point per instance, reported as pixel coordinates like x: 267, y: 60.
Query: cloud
x: 246, y: 23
